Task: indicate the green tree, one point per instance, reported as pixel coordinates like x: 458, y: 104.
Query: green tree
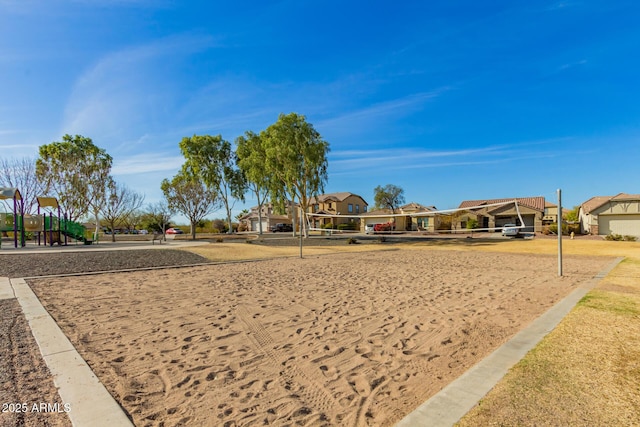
x: 188, y: 195
x: 296, y: 160
x: 241, y: 214
x: 211, y: 159
x: 390, y: 196
x: 472, y: 223
x: 573, y: 215
x: 158, y: 216
x: 252, y: 157
x: 77, y: 171
x: 120, y: 203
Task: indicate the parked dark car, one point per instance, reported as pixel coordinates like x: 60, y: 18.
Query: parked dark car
x: 281, y: 228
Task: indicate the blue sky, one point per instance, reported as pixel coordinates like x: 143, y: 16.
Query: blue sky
x: 450, y: 100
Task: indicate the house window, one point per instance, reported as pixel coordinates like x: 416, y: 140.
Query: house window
x: 316, y: 207
x: 350, y: 207
x: 364, y: 208
x: 357, y: 208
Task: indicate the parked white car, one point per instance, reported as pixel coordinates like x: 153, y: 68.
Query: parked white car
x: 369, y: 228
x: 510, y: 230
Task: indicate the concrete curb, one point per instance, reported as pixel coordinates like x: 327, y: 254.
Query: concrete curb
x: 6, y: 291
x: 90, y: 402
x: 453, y: 402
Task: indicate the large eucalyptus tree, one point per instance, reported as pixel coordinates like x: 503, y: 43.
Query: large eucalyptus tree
x: 295, y: 160
x: 212, y: 160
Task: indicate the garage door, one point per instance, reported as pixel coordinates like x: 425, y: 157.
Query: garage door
x: 626, y: 225
x: 529, y: 221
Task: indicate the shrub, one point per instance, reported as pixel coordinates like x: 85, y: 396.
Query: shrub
x: 472, y: 223
x: 351, y: 241
x: 219, y: 240
x: 566, y: 229
x: 327, y: 226
x: 382, y: 239
x: 347, y: 226
x: 619, y: 238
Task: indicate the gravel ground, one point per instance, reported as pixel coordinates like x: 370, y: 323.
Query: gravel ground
x: 41, y: 264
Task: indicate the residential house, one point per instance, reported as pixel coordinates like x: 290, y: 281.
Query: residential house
x: 532, y: 211
x: 336, y: 208
x: 551, y: 213
x: 410, y: 217
x: 619, y: 214
x: 270, y: 217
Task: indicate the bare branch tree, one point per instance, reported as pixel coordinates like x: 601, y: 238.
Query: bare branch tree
x: 120, y: 201
x: 160, y: 214
x: 21, y: 174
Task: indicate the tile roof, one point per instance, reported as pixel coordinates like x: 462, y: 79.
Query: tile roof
x: 334, y: 197
x: 378, y: 212
x: 536, y: 203
x: 597, y: 201
x: 417, y: 206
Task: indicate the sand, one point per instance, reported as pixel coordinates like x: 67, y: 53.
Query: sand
x: 348, y: 339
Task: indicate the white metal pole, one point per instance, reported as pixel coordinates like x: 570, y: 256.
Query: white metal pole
x: 301, y: 221
x: 560, y: 232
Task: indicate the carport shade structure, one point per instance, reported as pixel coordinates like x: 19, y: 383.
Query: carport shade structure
x: 18, y: 212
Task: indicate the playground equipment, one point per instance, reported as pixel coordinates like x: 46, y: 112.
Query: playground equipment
x: 54, y: 228
x: 48, y: 226
x: 13, y: 222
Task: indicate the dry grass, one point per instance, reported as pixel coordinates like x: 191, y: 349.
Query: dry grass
x: 585, y: 372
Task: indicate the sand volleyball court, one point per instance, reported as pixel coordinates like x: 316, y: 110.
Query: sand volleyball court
x: 351, y: 339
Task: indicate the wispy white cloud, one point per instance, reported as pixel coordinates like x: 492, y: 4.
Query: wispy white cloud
x: 382, y: 110
x: 107, y: 3
x: 128, y: 87
x: 564, y: 67
x: 561, y: 5
x: 356, y: 161
x: 18, y: 150
x: 146, y: 163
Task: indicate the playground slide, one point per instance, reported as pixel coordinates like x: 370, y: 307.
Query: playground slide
x: 73, y: 229
x: 69, y: 228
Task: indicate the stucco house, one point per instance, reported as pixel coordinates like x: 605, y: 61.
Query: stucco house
x: 270, y: 217
x: 619, y: 214
x: 336, y: 208
x: 403, y: 218
x: 550, y: 214
x: 532, y: 211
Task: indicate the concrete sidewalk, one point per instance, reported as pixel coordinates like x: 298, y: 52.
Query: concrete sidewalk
x: 453, y: 402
